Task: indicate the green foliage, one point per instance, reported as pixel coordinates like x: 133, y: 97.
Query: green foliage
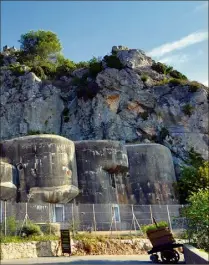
x: 11, y: 225
x: 151, y: 227
x: 144, y: 115
x: 65, y: 114
x: 19, y: 239
x: 38, y: 71
x: 16, y: 69
x: 31, y: 132
x: 176, y: 82
x: 82, y: 65
x: 197, y: 218
x: 177, y: 75
x: 162, y: 68
x: 66, y: 68
x: 41, y: 43
x: 31, y: 229
x: 193, y: 177
x: 113, y: 61
x: 95, y: 67
x: 188, y: 109
x: 163, y: 134
x: 194, y: 86
x: 144, y: 78
x: 1, y: 59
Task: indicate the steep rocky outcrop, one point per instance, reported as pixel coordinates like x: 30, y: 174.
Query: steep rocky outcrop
x: 133, y: 104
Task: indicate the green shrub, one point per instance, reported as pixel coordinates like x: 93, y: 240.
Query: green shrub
x: 163, y: 134
x: 177, y: 75
x: 31, y: 132
x: 31, y: 229
x: 1, y: 59
x: 196, y: 214
x: 19, y: 239
x: 161, y: 68
x: 65, y: 69
x: 113, y: 61
x: 17, y: 70
x: 11, y: 225
x: 65, y: 114
x: 194, y: 86
x: 82, y: 65
x: 151, y: 227
x: 144, y: 115
x: 38, y: 71
x: 144, y: 78
x: 192, y: 178
x: 176, y: 82
x: 49, y: 69
x: 188, y: 109
x: 95, y: 67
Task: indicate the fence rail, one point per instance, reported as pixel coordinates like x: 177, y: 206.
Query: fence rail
x: 96, y: 217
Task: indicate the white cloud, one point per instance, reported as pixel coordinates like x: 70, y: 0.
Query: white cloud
x: 203, y: 6
x: 175, y: 59
x: 191, y: 39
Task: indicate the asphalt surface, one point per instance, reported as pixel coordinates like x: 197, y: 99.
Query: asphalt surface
x: 85, y: 260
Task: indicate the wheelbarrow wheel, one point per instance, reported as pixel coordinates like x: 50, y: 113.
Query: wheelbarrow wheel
x: 154, y: 258
x: 170, y: 256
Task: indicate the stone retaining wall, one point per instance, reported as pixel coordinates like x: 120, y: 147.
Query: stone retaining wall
x: 36, y: 249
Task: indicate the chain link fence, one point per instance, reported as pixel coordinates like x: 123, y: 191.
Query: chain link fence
x: 92, y: 217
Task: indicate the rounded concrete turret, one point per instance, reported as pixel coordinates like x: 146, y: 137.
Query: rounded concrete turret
x: 152, y: 174
x: 8, y: 188
x: 102, y: 167
x: 46, y: 167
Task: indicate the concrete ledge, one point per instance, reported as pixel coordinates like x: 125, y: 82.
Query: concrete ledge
x: 193, y: 255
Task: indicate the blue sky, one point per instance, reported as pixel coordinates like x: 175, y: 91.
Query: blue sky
x: 174, y: 32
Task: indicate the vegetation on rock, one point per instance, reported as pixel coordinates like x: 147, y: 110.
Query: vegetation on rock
x: 193, y: 177
x: 188, y: 109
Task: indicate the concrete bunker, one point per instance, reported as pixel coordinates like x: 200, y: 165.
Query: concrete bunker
x: 152, y: 174
x: 102, y: 168
x: 45, y: 168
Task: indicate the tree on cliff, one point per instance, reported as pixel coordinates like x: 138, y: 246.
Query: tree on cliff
x: 40, y: 44
x: 193, y: 177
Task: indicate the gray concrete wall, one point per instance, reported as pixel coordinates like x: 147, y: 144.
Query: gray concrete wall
x: 8, y: 185
x: 152, y: 174
x: 193, y: 255
x: 45, y: 166
x: 102, y: 168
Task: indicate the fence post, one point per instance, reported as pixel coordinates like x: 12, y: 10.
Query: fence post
x: 5, y: 218
x: 26, y: 213
x: 132, y: 210
x: 94, y: 218
x: 72, y: 210
x: 49, y: 206
x: 1, y: 220
x: 169, y: 219
x: 150, y: 207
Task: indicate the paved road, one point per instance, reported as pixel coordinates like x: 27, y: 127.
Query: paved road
x: 86, y: 260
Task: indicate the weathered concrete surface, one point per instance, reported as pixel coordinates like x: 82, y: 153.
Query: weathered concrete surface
x: 45, y: 166
x: 8, y: 186
x: 151, y: 174
x: 193, y: 255
x: 102, y: 167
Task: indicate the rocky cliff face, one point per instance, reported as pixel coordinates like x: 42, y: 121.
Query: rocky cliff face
x: 133, y: 104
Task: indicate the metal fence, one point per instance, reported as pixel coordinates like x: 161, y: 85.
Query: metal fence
x: 94, y: 217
